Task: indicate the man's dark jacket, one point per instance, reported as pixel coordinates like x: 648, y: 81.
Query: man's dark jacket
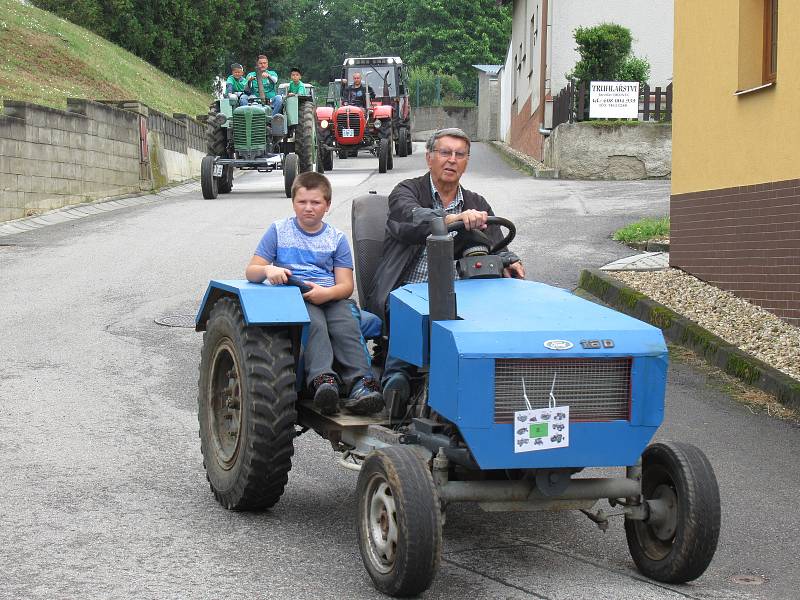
x: 404, y: 239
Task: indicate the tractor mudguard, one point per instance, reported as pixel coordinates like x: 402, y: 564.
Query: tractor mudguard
x: 324, y: 112
x: 384, y: 111
x: 291, y: 110
x: 262, y: 304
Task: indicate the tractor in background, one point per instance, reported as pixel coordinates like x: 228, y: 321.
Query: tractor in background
x: 252, y: 138
x: 387, y: 121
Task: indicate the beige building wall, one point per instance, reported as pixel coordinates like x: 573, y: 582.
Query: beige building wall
x: 721, y: 140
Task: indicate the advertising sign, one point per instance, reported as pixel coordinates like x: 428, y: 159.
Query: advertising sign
x: 614, y: 100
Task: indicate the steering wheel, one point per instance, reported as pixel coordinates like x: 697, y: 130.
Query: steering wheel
x: 492, y: 220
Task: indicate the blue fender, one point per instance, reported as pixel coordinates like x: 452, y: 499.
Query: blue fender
x: 262, y: 304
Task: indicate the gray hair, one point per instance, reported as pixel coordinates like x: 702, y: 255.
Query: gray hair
x: 446, y: 132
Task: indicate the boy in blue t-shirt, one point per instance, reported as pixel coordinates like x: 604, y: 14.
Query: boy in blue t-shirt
x: 318, y: 254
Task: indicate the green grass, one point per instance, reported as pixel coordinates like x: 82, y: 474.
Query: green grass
x: 47, y: 60
x: 644, y: 230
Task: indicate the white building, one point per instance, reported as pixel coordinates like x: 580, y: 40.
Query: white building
x: 542, y: 52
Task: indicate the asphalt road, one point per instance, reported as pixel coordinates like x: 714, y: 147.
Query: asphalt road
x: 103, y: 491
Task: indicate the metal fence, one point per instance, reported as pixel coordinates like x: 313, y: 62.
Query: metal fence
x: 572, y: 103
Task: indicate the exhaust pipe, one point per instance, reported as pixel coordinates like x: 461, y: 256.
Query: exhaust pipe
x: 441, y: 277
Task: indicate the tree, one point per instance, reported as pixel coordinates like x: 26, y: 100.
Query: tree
x: 605, y: 55
x: 446, y: 37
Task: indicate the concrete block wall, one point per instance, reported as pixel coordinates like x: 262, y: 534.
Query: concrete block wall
x: 426, y: 119
x: 51, y: 158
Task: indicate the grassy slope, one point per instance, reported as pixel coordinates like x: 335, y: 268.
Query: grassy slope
x: 46, y: 59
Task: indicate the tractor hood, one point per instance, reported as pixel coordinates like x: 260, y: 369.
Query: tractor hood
x: 609, y: 368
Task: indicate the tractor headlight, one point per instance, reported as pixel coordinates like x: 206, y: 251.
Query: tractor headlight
x: 323, y: 123
x: 377, y: 123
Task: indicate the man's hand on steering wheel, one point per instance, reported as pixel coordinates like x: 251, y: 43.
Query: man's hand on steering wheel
x: 472, y: 219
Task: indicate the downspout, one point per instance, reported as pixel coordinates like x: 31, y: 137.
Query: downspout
x: 544, y: 26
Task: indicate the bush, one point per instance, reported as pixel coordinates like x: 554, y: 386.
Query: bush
x: 605, y: 55
x: 449, y: 87
x: 644, y: 230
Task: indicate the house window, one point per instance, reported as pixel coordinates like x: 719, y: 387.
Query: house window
x: 770, y: 53
x: 534, y: 37
x: 514, y: 75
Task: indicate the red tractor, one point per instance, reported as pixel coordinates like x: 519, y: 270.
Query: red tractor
x: 380, y: 120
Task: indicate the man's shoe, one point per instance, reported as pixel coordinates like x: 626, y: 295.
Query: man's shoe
x: 326, y: 394
x: 396, y: 392
x: 365, y: 398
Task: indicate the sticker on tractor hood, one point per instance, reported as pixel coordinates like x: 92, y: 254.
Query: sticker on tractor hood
x: 558, y: 344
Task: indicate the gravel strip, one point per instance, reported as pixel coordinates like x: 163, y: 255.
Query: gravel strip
x: 735, y: 320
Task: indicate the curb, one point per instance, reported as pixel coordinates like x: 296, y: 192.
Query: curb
x: 530, y: 167
x: 650, y: 246
x: 680, y: 330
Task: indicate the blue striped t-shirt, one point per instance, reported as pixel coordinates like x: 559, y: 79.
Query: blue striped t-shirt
x: 309, y: 256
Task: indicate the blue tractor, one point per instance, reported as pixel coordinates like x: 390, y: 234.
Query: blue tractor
x: 524, y: 386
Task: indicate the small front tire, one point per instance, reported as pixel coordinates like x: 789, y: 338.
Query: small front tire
x: 384, y: 152
x: 289, y: 173
x: 402, y: 142
x: 399, y: 521
x: 678, y: 540
x: 208, y: 183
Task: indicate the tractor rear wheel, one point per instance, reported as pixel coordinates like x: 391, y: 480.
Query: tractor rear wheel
x: 225, y: 183
x: 305, y: 139
x: 399, y: 521
x: 402, y: 142
x: 216, y: 135
x: 208, y: 183
x: 320, y: 160
x: 289, y: 173
x: 677, y: 541
x: 246, y: 409
x: 384, y: 151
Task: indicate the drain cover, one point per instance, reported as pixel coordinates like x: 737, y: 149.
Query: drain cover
x: 176, y: 321
x: 748, y: 579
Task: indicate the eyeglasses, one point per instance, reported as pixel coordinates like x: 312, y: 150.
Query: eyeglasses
x: 457, y: 154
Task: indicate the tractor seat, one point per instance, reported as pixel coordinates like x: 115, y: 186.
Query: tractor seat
x: 369, y: 228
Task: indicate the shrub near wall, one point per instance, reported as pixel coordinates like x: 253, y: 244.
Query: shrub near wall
x: 599, y: 150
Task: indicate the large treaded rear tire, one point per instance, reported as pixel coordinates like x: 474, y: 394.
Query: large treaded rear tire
x: 246, y: 409
x: 399, y: 521
x: 216, y: 136
x: 680, y: 547
x: 305, y: 138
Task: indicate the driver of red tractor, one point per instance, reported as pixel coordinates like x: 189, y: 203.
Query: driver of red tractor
x: 269, y: 82
x: 235, y: 85
x: 356, y: 94
x: 412, y: 204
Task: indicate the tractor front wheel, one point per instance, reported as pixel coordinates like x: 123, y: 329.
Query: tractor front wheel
x: 246, y: 409
x: 384, y: 152
x: 402, y: 142
x: 327, y: 160
x: 342, y: 154
x: 289, y: 173
x: 399, y: 521
x: 208, y: 183
x: 677, y: 541
x: 225, y: 184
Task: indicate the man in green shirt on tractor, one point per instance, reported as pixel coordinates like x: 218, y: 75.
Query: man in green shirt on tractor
x: 269, y: 82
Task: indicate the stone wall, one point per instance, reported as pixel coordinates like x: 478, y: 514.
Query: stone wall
x: 51, y: 158
x: 426, y: 119
x: 587, y: 151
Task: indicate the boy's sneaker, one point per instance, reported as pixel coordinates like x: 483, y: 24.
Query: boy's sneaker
x: 326, y: 394
x: 365, y: 398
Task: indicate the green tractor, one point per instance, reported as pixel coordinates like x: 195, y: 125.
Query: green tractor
x: 252, y: 138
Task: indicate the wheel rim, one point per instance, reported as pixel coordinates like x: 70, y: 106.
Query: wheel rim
x: 657, y: 535
x: 380, y: 524
x: 225, y: 405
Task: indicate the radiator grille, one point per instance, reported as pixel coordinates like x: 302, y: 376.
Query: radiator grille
x: 594, y: 389
x: 258, y: 130
x: 349, y: 120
